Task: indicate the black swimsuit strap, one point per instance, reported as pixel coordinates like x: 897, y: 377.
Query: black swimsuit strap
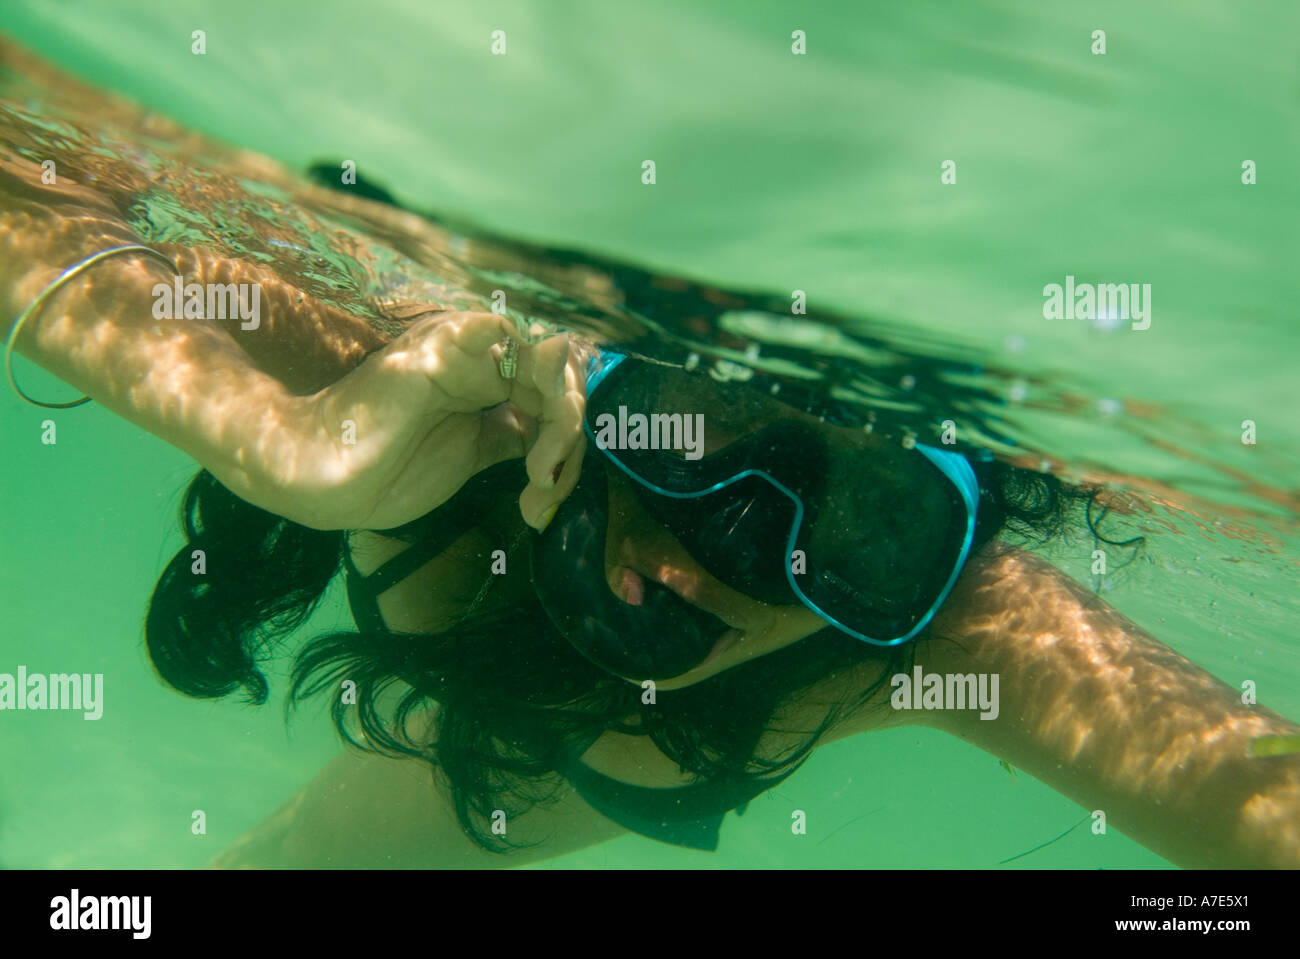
x: 429, y: 536
x: 364, y: 603
x: 413, y: 557
x: 685, y: 816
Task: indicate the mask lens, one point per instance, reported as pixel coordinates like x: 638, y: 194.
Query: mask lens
x: 884, y: 542
x: 737, y: 534
x: 878, y: 528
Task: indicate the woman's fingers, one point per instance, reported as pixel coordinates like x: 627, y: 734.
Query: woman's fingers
x: 538, y: 504
x: 478, y: 332
x: 455, y: 352
x: 540, y: 373
x: 555, y: 374
x: 553, y: 461
x: 460, y: 354
x: 547, y: 364
x: 559, y: 428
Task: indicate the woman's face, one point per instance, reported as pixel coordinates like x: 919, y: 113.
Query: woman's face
x: 638, y: 548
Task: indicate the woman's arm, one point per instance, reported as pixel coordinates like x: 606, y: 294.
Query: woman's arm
x: 230, y: 404
x: 1098, y: 709
x: 185, y: 382
x: 371, y: 444
x: 365, y: 811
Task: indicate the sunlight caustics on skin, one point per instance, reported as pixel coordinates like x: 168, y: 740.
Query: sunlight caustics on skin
x: 381, y: 331
x: 1085, y: 698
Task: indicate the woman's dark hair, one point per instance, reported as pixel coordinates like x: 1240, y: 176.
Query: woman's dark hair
x: 513, y: 699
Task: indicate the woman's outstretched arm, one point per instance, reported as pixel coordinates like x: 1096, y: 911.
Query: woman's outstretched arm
x: 1101, y: 711
x: 293, y: 416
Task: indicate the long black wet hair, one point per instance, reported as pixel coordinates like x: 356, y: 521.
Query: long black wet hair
x: 510, y: 697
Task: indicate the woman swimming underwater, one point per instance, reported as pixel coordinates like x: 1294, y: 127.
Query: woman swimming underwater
x: 524, y: 687
x: 566, y: 632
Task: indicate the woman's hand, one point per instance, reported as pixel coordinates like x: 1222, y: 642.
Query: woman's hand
x: 401, y: 433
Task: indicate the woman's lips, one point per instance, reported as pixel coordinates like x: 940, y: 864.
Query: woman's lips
x: 630, y: 586
x: 628, y: 583
x: 638, y: 549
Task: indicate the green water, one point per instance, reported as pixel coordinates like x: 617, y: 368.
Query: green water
x: 774, y: 172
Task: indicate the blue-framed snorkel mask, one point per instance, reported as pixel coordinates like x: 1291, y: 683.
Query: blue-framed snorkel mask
x: 777, y: 501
